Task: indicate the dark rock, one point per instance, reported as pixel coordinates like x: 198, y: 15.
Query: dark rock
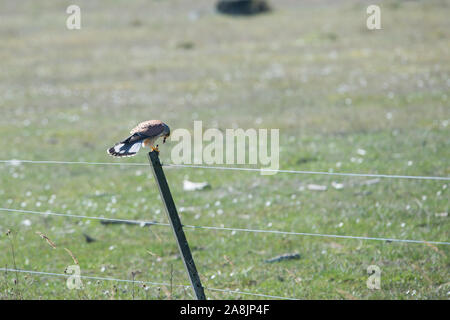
x: 139, y: 223
x: 288, y: 256
x: 242, y: 7
x: 88, y: 238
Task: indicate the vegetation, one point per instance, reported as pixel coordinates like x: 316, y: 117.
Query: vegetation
x: 345, y: 99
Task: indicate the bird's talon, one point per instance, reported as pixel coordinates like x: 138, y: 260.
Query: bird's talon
x: 155, y: 149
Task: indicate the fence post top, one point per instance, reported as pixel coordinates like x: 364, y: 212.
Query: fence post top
x: 154, y: 157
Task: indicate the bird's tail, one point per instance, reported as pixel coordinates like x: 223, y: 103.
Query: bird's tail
x: 127, y: 148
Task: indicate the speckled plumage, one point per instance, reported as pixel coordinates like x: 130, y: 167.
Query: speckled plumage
x: 149, y: 128
x: 144, y: 134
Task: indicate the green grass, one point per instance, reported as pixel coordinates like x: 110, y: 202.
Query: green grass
x: 311, y: 69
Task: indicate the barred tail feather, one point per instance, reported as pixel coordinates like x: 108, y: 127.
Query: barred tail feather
x: 125, y: 149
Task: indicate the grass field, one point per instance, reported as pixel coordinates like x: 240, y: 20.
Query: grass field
x: 309, y: 68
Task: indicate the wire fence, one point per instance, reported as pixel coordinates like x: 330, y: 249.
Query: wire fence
x: 146, y: 223
x: 52, y: 274
x: 345, y: 174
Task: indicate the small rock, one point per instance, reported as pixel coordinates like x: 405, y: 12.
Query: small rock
x: 337, y: 186
x: 361, y: 152
x: 195, y: 186
x: 26, y: 222
x: 441, y: 214
x: 370, y: 182
x: 316, y: 187
x: 88, y: 238
x: 287, y: 256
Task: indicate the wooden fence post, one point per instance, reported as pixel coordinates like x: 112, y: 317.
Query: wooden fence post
x: 177, y: 227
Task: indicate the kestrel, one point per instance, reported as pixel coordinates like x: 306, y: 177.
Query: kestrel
x: 144, y: 134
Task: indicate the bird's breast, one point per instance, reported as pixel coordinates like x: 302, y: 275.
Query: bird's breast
x: 147, y: 142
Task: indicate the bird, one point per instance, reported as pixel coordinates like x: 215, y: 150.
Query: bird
x: 144, y: 134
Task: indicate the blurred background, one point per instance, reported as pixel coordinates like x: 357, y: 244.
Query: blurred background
x: 345, y: 98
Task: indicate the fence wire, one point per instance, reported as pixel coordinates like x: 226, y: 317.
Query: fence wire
x: 345, y: 174
x: 144, y: 223
x: 143, y: 282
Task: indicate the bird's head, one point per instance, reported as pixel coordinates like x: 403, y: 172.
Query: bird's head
x: 166, y: 133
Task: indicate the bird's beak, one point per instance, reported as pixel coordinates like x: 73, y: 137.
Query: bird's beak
x: 165, y: 137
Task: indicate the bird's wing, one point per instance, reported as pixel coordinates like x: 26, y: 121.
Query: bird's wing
x: 151, y: 128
